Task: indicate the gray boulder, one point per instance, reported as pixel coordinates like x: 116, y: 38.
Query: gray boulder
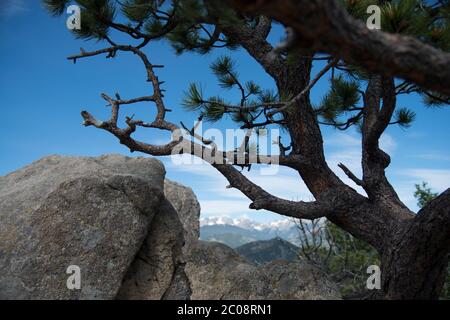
x: 162, y: 252
x: 185, y: 203
x: 158, y: 269
x: 125, y: 228
x: 95, y: 213
x: 216, y: 271
x: 298, y: 280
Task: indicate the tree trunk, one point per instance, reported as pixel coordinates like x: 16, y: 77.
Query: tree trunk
x: 406, y: 277
x: 415, y: 261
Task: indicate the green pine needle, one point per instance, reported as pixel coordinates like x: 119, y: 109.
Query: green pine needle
x: 404, y: 117
x: 252, y: 88
x: 138, y: 10
x: 224, y: 69
x: 342, y: 97
x: 193, y: 98
x: 214, y: 110
x: 93, y: 12
x: 222, y: 66
x: 56, y: 7
x: 434, y: 99
x: 240, y: 117
x: 268, y: 96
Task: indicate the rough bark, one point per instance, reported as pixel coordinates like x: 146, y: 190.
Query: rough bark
x: 415, y: 263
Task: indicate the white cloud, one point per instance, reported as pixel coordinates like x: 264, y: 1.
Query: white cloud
x: 224, y: 207
x: 405, y: 192
x: 231, y: 202
x: 341, y: 139
x: 433, y: 156
x: 344, y: 147
x: 209, y: 221
x: 345, y: 140
x: 9, y: 8
x: 217, y: 200
x: 387, y: 143
x: 438, y: 179
x: 190, y: 164
x: 286, y: 183
x: 347, y: 150
x: 416, y: 135
x: 246, y: 223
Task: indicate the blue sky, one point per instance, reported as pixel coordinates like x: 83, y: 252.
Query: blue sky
x: 42, y: 95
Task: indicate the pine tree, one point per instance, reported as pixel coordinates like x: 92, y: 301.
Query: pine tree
x: 423, y: 194
x: 365, y: 79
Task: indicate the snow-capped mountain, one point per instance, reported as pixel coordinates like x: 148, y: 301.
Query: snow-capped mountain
x: 246, y: 223
x: 236, y: 232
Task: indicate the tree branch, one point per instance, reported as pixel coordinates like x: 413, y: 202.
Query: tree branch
x: 308, y: 88
x: 351, y: 175
x: 324, y: 25
x: 375, y: 160
x: 263, y: 200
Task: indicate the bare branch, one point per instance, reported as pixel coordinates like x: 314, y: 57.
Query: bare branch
x: 350, y: 175
x: 308, y: 88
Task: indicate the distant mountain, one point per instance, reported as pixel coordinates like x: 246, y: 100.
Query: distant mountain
x: 264, y: 251
x: 230, y: 235
x: 236, y: 232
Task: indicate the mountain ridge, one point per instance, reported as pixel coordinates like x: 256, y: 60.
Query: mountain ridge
x: 237, y: 232
x: 264, y: 251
